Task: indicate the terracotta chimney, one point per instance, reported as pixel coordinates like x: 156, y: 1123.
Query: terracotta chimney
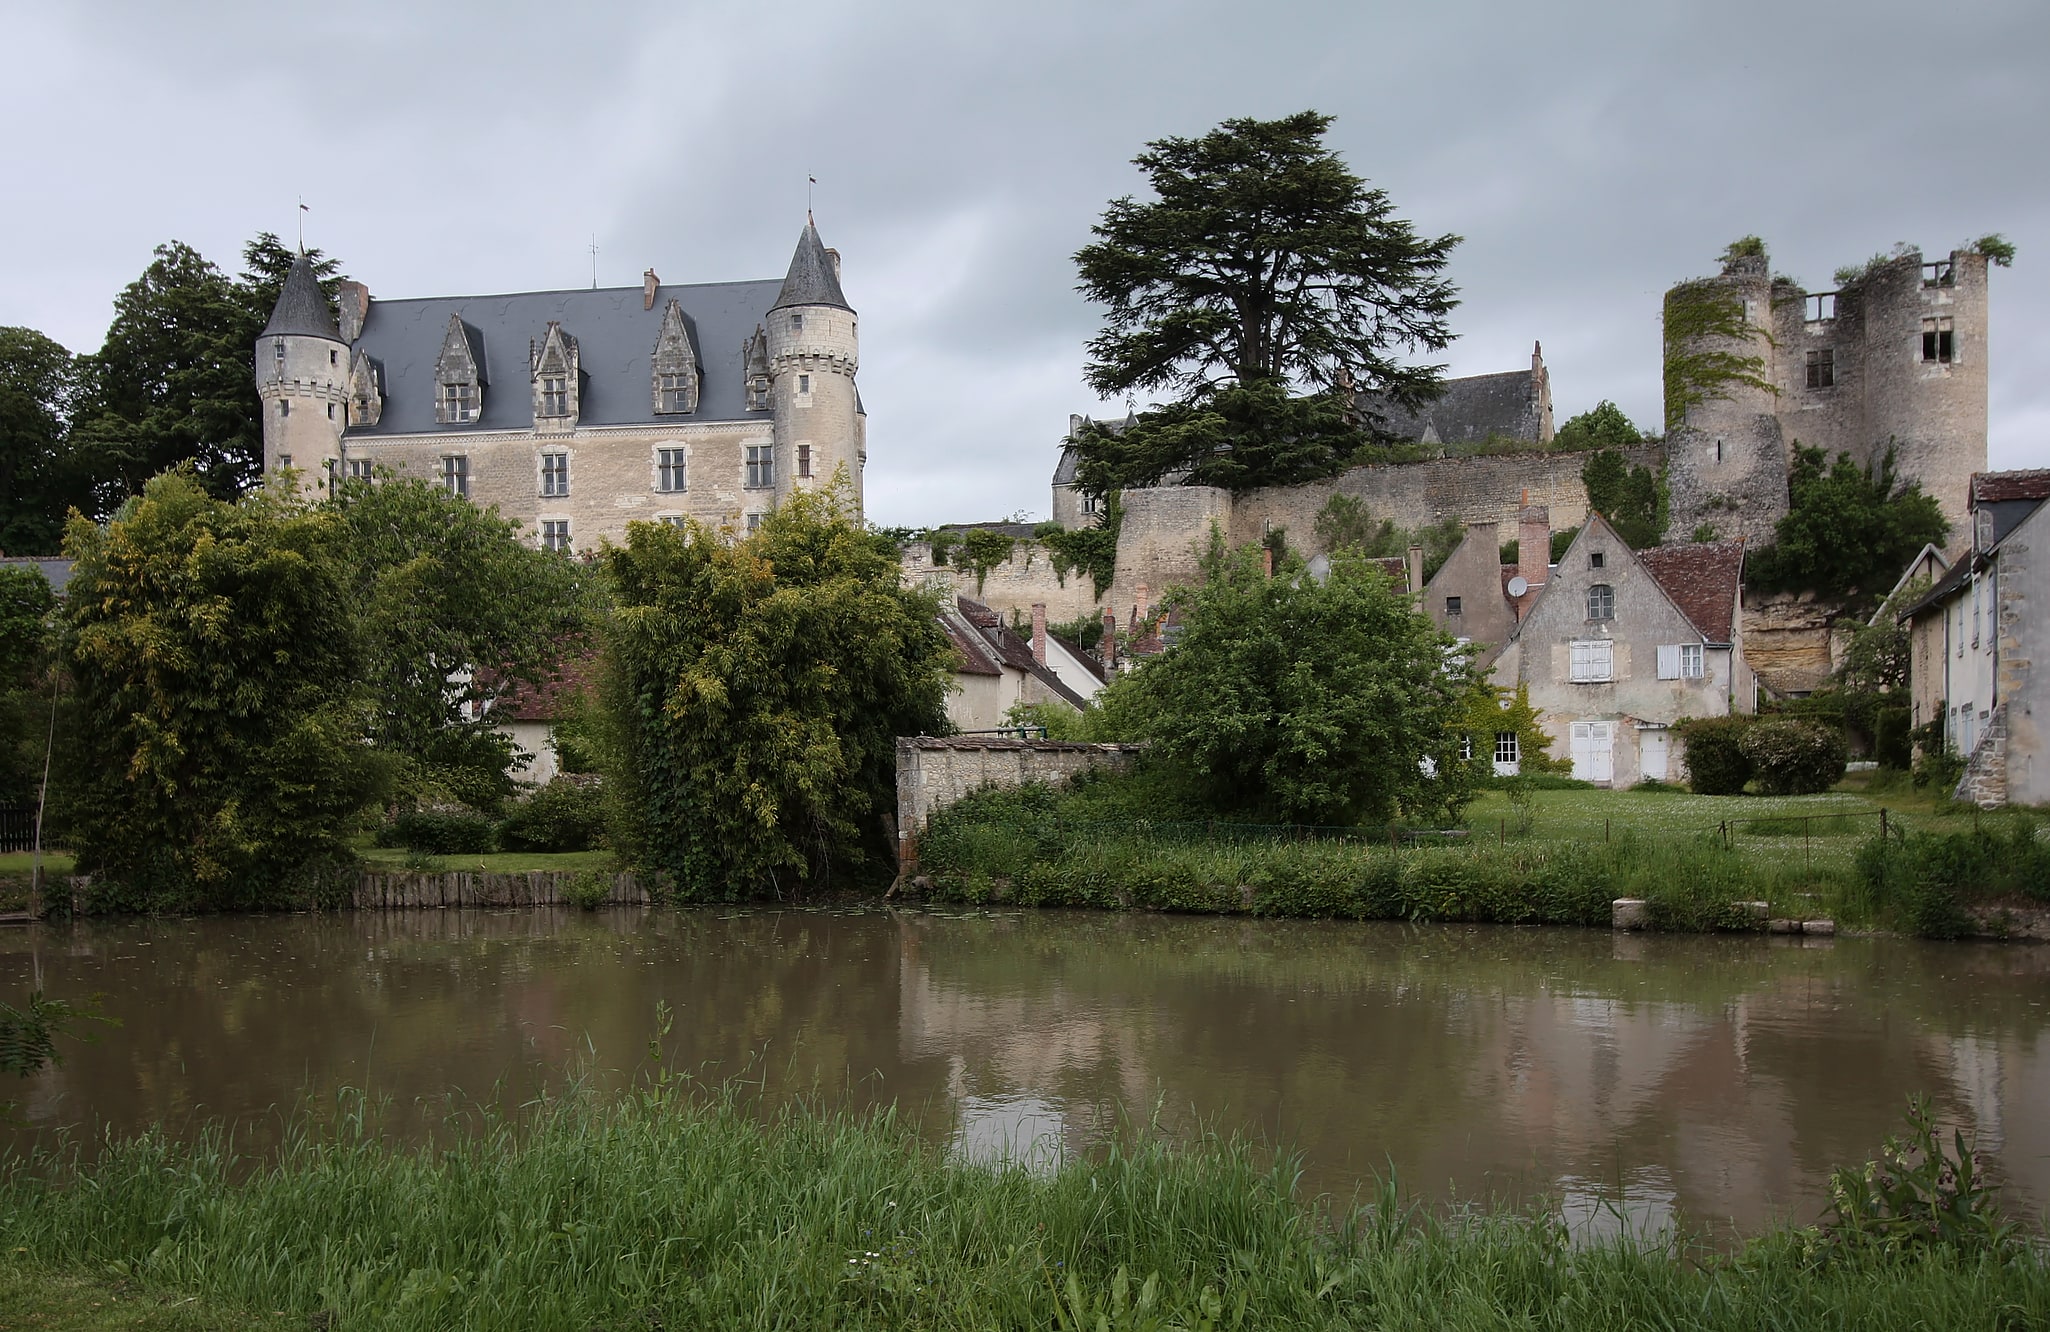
x: 1144, y: 606
x: 354, y: 300
x: 1416, y: 571
x: 649, y: 283
x: 1039, y: 632
x: 1533, y: 549
x: 1108, y: 647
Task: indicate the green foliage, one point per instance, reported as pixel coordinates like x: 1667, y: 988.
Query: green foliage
x: 1603, y: 427
x: 1093, y: 550
x: 1716, y: 761
x: 1260, y: 263
x: 1928, y: 881
x: 454, y: 608
x: 561, y: 816
x: 1705, y: 309
x: 587, y: 890
x: 1344, y: 523
x: 1938, y: 766
x: 26, y: 603
x: 217, y: 749
x: 1703, y: 532
x: 29, y: 1036
x: 1744, y: 247
x: 1996, y: 247
x: 1302, y: 700
x: 1631, y: 498
x: 756, y: 690
x: 1848, y: 530
x: 1492, y: 708
x: 1918, y: 1196
x: 441, y: 832
x: 1792, y: 757
x: 41, y: 478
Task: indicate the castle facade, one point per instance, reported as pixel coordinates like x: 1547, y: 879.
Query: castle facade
x: 576, y: 412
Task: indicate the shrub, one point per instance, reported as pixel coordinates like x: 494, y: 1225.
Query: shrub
x: 1793, y: 757
x: 561, y: 816
x: 440, y: 832
x: 1716, y: 762
x: 1918, y: 1195
x: 587, y: 890
x: 1925, y: 879
x: 1891, y: 745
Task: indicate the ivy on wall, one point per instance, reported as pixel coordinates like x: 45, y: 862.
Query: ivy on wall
x: 1092, y: 550
x: 1705, y: 309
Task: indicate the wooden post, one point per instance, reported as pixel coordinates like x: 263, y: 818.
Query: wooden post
x: 1882, y: 823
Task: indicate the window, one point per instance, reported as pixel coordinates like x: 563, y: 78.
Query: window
x: 1596, y: 559
x: 671, y: 519
x: 797, y: 323
x: 754, y: 521
x: 555, y: 534
x: 330, y: 411
x: 1601, y: 602
x: 804, y: 384
x: 334, y: 358
x: 1939, y: 342
x: 555, y: 474
x: 285, y: 460
x: 1822, y: 368
x: 1718, y: 450
x: 761, y: 468
x: 1465, y: 746
x: 277, y: 351
x: 1679, y: 661
x: 555, y: 395
x: 672, y: 394
x: 458, y: 402
x: 804, y: 460
x: 669, y: 474
x: 1820, y: 305
x: 1505, y: 748
x: 1452, y: 605
x: 284, y: 407
x: 1594, y: 661
x: 1089, y: 504
x: 359, y: 469
x: 455, y: 473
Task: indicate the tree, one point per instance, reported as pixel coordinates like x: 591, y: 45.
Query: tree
x: 1262, y: 266
x: 453, y: 608
x: 39, y: 479
x: 754, y: 692
x: 25, y: 605
x: 1345, y: 523
x: 1848, y: 530
x: 217, y: 755
x: 1292, y: 699
x: 1631, y: 498
x: 1603, y: 427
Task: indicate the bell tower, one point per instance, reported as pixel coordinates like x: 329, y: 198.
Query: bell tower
x: 302, y: 377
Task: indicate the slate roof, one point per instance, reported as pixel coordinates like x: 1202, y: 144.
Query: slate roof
x: 1070, y: 463
x: 811, y: 280
x: 55, y: 569
x: 616, y: 331
x: 1702, y: 578
x: 302, y: 309
x: 1470, y: 410
x: 2025, y: 484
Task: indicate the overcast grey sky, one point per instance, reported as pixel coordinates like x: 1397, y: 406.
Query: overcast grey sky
x: 1590, y: 153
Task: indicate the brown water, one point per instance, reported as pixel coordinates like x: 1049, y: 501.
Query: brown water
x: 1717, y: 1079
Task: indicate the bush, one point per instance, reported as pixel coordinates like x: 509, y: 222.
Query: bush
x: 587, y: 890
x: 1716, y: 762
x: 1926, y: 879
x: 1793, y: 757
x: 1892, y: 744
x: 561, y: 816
x: 440, y: 832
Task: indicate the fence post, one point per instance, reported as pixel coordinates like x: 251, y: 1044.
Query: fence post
x: 1605, y: 830
x: 1882, y: 823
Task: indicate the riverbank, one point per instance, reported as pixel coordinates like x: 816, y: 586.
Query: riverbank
x: 675, y: 1207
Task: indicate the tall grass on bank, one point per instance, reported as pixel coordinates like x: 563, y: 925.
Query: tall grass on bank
x: 680, y: 1208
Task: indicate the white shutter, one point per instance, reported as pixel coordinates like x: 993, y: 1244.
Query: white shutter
x: 1669, y: 661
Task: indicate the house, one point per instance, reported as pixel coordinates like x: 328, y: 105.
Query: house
x: 1975, y: 635
x: 999, y: 668
x: 1617, y: 645
x: 526, y: 714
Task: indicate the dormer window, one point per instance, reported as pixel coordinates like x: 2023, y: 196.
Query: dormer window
x: 459, y: 375
x: 756, y: 356
x: 673, y: 393
x: 557, y: 379
x: 458, y: 404
x: 554, y: 395
x: 675, y: 364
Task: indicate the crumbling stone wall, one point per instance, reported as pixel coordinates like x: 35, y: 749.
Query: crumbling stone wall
x: 1013, y: 587
x: 935, y: 771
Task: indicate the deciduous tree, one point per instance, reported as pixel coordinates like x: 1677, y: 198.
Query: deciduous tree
x: 1848, y: 530
x: 39, y: 477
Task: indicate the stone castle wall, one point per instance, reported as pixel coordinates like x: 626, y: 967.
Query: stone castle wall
x: 1012, y: 587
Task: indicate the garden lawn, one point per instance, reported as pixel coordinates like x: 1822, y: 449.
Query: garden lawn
x: 395, y: 858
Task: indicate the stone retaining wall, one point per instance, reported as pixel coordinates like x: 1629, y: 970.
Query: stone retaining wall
x: 935, y: 771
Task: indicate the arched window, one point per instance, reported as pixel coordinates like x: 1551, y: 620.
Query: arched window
x: 1601, y: 602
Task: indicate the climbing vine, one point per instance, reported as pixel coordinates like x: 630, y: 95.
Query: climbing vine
x: 1705, y: 309
x: 1093, y: 550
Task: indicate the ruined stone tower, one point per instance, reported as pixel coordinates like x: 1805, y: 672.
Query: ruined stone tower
x: 813, y: 353
x: 1755, y: 365
x: 302, y: 374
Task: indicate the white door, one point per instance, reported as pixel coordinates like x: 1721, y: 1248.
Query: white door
x: 1652, y: 754
x: 1592, y: 746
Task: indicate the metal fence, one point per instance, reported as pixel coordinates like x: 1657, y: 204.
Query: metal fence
x: 18, y: 829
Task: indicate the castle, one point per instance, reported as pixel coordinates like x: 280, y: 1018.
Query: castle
x: 576, y: 412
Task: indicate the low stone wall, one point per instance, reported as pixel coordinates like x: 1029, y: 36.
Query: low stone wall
x: 935, y: 771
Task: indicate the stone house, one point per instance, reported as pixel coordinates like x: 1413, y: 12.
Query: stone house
x: 1617, y: 645
x: 1974, y: 638
x: 576, y: 412
x: 998, y: 668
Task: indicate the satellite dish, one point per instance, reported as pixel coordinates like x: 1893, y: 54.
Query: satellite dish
x: 1518, y: 586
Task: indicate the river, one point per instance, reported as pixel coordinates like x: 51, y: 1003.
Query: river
x: 1715, y: 1080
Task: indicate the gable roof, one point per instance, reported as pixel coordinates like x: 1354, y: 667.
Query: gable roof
x: 1940, y: 591
x: 616, y: 331
x: 2023, y: 484
x: 302, y: 309
x: 811, y: 279
x: 990, y: 645
x: 1702, y: 578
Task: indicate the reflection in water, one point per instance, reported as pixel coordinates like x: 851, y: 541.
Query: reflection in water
x: 1632, y: 1080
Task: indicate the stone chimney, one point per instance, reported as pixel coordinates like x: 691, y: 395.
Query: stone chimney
x: 354, y: 300
x: 1533, y: 549
x: 1415, y: 565
x: 1144, y: 607
x: 1267, y: 559
x: 1039, y: 632
x: 1108, y: 648
x: 1074, y: 424
x: 649, y: 284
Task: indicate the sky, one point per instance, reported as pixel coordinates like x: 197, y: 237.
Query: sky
x: 1591, y: 154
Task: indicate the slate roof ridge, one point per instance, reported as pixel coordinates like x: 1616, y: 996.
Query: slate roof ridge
x: 811, y: 279
x: 302, y: 309
x: 638, y: 291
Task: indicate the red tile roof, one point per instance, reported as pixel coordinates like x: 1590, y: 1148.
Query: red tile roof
x: 520, y: 701
x: 1702, y: 578
x: 1993, y: 487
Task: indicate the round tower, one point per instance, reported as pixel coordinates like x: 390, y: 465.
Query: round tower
x: 813, y: 356
x: 302, y: 378
x: 1725, y: 455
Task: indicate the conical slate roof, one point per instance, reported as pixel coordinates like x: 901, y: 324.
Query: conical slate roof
x: 301, y: 309
x: 811, y: 280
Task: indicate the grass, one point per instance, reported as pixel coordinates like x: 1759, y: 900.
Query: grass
x: 392, y: 858
x: 36, y: 1298
x: 676, y: 1207
x: 24, y: 862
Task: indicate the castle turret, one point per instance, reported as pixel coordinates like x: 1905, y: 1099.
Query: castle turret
x: 1726, y: 453
x: 302, y: 377
x: 813, y: 354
